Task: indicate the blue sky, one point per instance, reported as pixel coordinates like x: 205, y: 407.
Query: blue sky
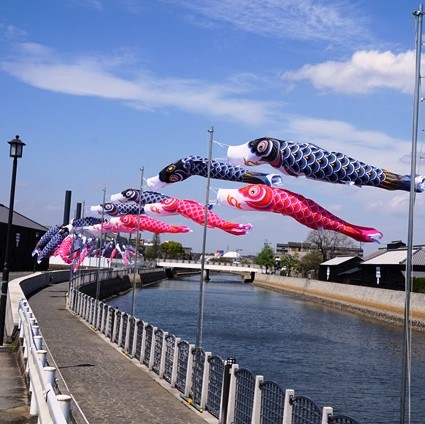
x: 100, y: 89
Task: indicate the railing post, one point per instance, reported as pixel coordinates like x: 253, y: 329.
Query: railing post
x: 189, y: 371
x: 103, y: 320
x: 99, y: 306
x: 163, y: 352
x: 33, y: 402
x: 143, y: 343
x: 205, y: 380
x: 108, y: 329
x: 120, y: 331
x: 230, y: 416
x: 256, y: 407
x: 152, y: 352
x: 65, y: 406
x: 114, y: 327
x: 287, y: 409
x: 135, y: 331
x: 38, y: 341
x: 42, y: 354
x: 327, y: 412
x: 225, y: 389
x: 127, y: 335
x: 50, y: 373
x: 175, y: 360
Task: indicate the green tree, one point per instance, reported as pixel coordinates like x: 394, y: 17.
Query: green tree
x: 310, y: 262
x: 172, y: 250
x: 289, y: 263
x: 152, y: 252
x: 266, y: 257
x: 328, y: 242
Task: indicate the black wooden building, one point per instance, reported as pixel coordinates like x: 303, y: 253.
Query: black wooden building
x: 385, y: 268
x: 24, y: 235
x: 339, y: 269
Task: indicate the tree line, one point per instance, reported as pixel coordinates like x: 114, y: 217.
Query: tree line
x: 323, y: 245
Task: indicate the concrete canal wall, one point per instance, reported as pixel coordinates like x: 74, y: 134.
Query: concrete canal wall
x: 121, y: 285
x: 382, y: 304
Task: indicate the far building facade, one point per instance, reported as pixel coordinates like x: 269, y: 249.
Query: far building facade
x: 24, y: 235
x: 300, y: 249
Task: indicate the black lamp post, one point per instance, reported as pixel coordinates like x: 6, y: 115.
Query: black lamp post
x: 16, y: 149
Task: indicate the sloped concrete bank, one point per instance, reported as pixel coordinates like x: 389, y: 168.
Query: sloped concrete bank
x: 382, y: 304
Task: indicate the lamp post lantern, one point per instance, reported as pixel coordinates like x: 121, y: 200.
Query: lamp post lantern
x: 16, y: 150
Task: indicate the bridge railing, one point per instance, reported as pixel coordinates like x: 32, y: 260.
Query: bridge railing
x: 206, y: 382
x: 189, y: 262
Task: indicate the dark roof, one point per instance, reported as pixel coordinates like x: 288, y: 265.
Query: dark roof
x: 19, y: 220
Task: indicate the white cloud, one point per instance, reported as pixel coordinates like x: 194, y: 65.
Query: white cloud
x: 38, y: 66
x: 333, y: 22
x: 364, y: 72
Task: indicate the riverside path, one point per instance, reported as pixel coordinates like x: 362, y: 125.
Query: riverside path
x: 107, y: 385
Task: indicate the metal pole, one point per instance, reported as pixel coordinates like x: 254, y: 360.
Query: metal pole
x: 100, y: 258
x: 201, y: 288
x: 405, y: 389
x: 5, y: 278
x: 133, y: 298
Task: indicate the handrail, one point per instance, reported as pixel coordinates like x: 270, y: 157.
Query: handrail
x: 44, y: 400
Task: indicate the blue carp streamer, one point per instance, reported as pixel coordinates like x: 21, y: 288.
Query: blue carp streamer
x: 135, y: 195
x: 197, y: 165
x: 316, y: 163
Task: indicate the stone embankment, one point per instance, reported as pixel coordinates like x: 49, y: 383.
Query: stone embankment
x: 383, y: 304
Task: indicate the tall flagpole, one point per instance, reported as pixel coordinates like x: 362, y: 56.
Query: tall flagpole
x: 133, y: 298
x: 406, y: 368
x: 201, y: 287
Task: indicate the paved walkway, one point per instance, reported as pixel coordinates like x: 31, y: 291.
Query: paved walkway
x: 107, y: 385
x: 13, y: 393
x: 14, y: 398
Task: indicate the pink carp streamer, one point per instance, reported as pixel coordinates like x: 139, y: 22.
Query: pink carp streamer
x: 64, y: 248
x: 60, y: 240
x: 307, y: 212
x: 132, y: 222
x: 196, y: 212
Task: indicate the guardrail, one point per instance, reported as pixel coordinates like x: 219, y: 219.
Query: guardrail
x: 50, y: 406
x: 220, y: 388
x: 205, y: 381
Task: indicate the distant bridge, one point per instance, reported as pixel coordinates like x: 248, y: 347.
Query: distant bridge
x: 210, y: 266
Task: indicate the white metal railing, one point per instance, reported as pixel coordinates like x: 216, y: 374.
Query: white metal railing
x: 51, y: 407
x: 118, y: 325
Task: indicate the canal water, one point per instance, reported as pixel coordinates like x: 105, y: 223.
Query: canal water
x: 337, y: 359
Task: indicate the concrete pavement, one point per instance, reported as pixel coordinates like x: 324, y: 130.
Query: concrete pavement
x: 14, y: 406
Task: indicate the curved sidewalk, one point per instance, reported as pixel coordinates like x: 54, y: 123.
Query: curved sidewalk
x: 108, y: 386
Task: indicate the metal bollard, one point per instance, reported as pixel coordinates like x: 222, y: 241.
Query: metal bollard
x: 50, y: 373
x: 38, y: 341
x: 42, y: 357
x: 65, y: 406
